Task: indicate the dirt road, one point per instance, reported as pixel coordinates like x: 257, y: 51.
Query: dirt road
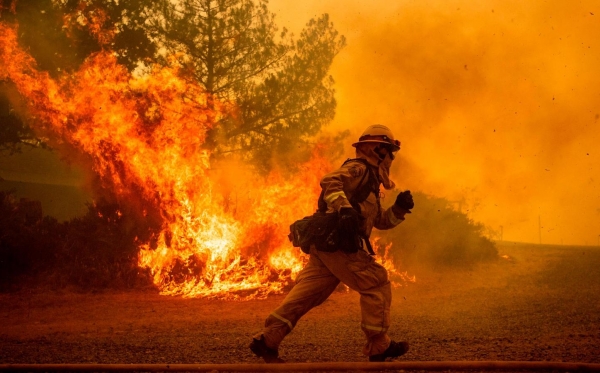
x: 541, y: 303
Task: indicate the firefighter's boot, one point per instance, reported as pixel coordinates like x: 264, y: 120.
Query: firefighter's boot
x: 394, y: 350
x: 260, y: 349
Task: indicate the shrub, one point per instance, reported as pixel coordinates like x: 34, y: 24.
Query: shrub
x: 96, y: 251
x: 435, y: 234
x: 27, y: 244
x: 99, y: 250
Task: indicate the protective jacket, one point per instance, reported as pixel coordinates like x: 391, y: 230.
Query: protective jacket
x: 340, y: 189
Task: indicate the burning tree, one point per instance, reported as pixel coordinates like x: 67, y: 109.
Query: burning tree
x: 280, y: 87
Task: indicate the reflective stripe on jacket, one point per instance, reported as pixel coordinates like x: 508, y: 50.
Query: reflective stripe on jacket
x: 339, y: 187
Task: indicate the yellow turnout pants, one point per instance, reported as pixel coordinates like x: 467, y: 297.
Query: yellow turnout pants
x: 324, y: 271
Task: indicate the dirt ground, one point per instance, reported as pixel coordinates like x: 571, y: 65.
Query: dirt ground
x: 542, y: 303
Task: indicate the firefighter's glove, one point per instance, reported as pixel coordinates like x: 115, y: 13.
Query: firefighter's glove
x: 405, y: 201
x: 349, y: 219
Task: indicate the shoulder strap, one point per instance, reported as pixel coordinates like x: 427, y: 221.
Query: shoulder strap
x: 362, y: 191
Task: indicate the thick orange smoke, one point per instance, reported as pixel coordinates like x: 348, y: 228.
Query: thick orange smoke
x: 494, y: 101
x: 224, y: 229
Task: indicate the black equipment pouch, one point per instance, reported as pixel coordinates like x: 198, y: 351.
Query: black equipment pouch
x: 318, y: 229
x: 299, y: 236
x: 321, y: 229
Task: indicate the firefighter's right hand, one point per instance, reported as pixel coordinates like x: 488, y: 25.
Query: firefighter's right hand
x: 349, y: 220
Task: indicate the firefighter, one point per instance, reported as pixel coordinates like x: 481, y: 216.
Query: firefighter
x: 352, y: 194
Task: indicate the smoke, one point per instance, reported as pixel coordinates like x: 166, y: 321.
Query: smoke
x: 496, y: 102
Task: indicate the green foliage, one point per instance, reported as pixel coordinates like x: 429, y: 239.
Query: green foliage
x: 61, y: 34
x: 101, y: 250
x: 436, y: 234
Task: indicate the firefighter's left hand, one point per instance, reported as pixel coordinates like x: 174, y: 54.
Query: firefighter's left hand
x: 405, y: 201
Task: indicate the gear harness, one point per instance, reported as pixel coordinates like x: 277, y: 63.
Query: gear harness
x: 360, y: 194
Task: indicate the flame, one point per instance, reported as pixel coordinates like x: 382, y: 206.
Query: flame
x: 397, y: 278
x: 91, y: 17
x: 224, y: 229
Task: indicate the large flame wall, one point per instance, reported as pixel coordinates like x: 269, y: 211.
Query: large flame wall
x: 223, y: 230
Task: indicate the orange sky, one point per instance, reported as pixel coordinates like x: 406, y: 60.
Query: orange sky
x: 498, y: 101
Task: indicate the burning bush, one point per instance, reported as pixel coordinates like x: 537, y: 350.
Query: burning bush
x: 100, y: 250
